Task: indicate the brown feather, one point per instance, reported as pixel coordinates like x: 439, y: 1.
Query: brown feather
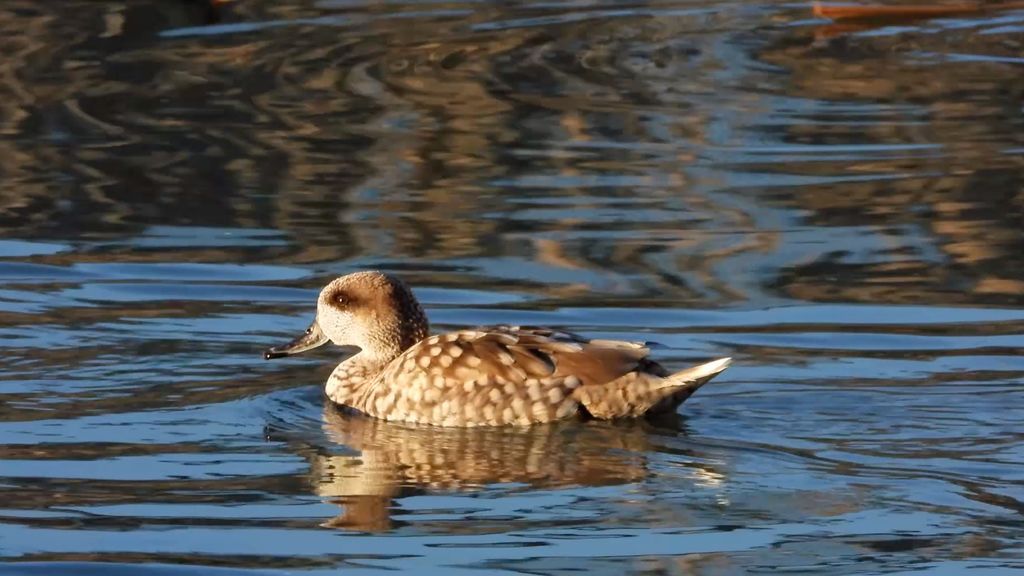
x: 599, y: 364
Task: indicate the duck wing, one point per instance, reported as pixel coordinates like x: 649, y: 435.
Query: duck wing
x: 601, y: 361
x: 501, y: 375
x: 543, y: 331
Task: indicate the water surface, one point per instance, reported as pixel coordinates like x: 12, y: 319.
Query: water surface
x: 836, y: 207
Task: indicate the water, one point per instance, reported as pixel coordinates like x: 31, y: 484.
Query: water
x: 838, y: 208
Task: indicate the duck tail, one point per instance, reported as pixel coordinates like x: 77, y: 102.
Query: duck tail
x: 697, y: 376
x: 638, y: 396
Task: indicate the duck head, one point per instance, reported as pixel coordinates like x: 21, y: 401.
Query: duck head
x: 372, y: 311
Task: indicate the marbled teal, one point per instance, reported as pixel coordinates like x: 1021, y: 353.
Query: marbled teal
x: 488, y: 376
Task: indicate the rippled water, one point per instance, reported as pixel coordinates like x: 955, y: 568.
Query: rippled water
x: 838, y: 207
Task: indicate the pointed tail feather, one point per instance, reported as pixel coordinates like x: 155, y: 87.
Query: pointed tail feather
x: 698, y: 375
x: 683, y: 384
x: 641, y: 394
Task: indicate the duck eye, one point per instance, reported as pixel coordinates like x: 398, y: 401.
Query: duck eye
x: 340, y: 299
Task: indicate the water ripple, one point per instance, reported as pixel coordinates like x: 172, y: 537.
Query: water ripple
x: 834, y: 204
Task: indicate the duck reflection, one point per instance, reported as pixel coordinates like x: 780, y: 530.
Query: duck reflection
x: 403, y: 459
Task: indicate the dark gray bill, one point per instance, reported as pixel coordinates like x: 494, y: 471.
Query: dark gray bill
x: 311, y: 339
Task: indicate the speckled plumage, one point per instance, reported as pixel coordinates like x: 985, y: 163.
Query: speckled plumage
x: 488, y: 376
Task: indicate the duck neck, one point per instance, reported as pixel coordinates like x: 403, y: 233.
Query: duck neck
x: 352, y: 381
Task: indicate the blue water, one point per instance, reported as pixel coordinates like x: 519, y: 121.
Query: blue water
x: 837, y: 207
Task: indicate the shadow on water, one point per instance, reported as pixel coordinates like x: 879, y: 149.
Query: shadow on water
x: 835, y: 205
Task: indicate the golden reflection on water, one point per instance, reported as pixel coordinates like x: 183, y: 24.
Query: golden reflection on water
x: 391, y: 137
x: 394, y: 459
x: 442, y: 145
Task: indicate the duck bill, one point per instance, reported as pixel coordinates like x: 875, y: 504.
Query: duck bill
x: 312, y: 338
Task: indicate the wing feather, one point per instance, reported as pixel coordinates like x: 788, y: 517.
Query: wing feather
x: 502, y: 375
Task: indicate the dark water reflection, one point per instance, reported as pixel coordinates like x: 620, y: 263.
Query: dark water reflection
x: 838, y: 208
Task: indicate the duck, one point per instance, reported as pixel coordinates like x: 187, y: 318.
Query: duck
x: 485, y: 376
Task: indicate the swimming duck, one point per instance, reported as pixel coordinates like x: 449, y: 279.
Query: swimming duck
x: 488, y: 376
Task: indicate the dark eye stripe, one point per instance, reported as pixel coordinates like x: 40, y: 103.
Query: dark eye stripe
x: 340, y: 298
